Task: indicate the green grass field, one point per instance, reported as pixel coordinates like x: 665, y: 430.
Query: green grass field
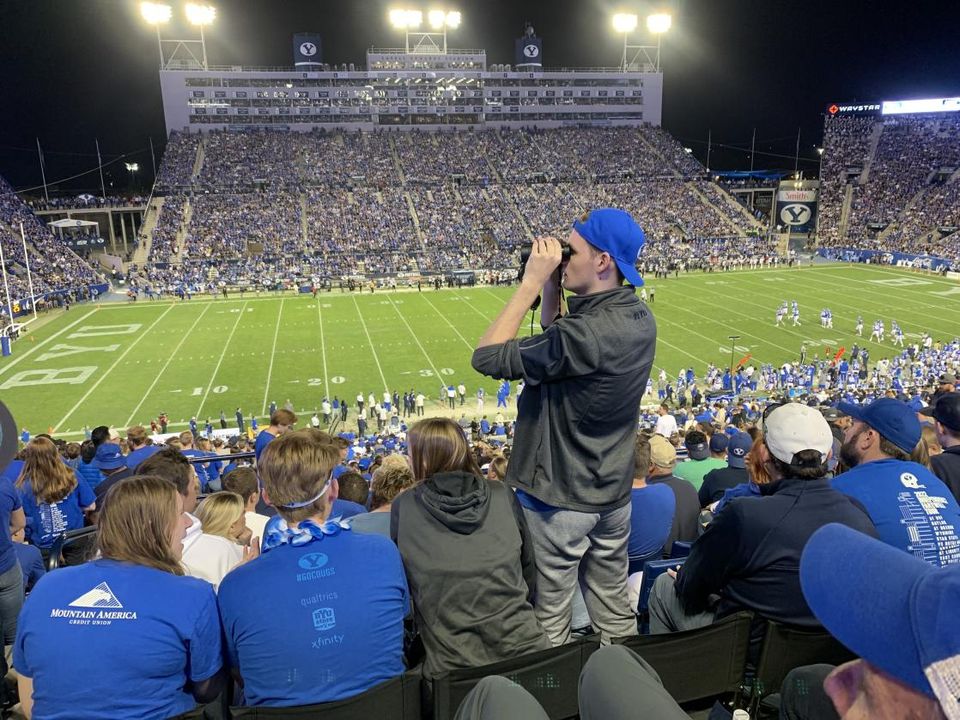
x: 120, y: 364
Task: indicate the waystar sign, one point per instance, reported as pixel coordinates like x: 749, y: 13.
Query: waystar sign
x: 854, y: 109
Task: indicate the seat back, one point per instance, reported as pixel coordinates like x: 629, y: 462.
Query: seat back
x: 636, y: 564
x: 396, y: 699
x: 68, y: 546
x: 786, y: 647
x: 698, y: 664
x: 680, y: 549
x: 551, y: 676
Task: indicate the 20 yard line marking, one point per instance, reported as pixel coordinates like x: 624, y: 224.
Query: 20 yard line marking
x: 223, y: 354
x: 273, y: 352
x: 323, y: 352
x: 104, y: 376
x: 165, y: 365
x: 370, y: 340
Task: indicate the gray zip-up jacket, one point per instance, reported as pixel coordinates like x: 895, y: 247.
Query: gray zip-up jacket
x: 577, y: 418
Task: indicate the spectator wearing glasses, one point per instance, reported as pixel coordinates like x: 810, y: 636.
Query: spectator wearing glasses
x: 749, y: 556
x: 910, y: 506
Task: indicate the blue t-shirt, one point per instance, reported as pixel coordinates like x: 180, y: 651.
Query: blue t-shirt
x: 263, y: 439
x: 149, y: 632
x: 317, y: 622
x: 202, y: 473
x: 46, y: 522
x: 138, y: 456
x: 9, y: 501
x: 910, y: 507
x: 31, y: 563
x: 345, y: 509
x: 651, y: 517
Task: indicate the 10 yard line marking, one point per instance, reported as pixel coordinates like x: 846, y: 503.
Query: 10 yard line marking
x: 165, y: 365
x: 220, y: 361
x: 370, y: 340
x: 273, y: 352
x: 323, y: 352
x: 104, y: 376
x: 42, y: 343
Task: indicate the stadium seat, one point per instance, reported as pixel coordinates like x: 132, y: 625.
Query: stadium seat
x: 71, y: 539
x: 785, y: 648
x: 698, y: 664
x: 636, y: 564
x: 396, y: 699
x: 680, y: 549
x: 551, y: 676
x: 652, y: 569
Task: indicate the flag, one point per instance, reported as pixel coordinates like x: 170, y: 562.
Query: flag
x: 839, y: 354
x: 743, y: 360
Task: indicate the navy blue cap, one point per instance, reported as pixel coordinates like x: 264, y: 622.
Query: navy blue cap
x: 737, y: 450
x: 109, y: 457
x: 616, y: 232
x: 947, y: 410
x: 719, y: 443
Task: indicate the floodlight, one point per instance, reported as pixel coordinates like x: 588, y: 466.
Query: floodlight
x: 659, y: 23
x: 436, y: 19
x: 200, y: 14
x: 624, y: 22
x: 155, y: 13
x: 132, y: 167
x: 403, y: 19
x: 453, y: 19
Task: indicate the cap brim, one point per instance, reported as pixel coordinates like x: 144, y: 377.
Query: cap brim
x: 629, y: 272
x: 860, y: 588
x: 851, y: 409
x: 736, y: 462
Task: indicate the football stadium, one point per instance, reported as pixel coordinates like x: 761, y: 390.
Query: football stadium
x: 418, y: 383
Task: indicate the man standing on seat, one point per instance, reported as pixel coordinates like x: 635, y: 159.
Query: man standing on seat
x: 572, y: 460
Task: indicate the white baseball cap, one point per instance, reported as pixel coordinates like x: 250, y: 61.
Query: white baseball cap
x: 792, y: 428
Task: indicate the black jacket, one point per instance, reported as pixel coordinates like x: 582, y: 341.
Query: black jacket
x: 470, y: 566
x: 718, y: 481
x: 577, y: 416
x: 686, y: 516
x: 946, y: 466
x: 750, y: 553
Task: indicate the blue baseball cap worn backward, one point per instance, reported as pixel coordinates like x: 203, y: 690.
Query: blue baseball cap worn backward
x: 616, y: 232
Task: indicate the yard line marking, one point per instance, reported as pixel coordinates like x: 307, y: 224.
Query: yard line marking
x: 417, y: 341
x: 223, y: 354
x: 273, y: 352
x: 370, y: 340
x: 39, y: 345
x: 104, y: 376
x: 323, y: 351
x: 165, y: 365
x: 452, y: 326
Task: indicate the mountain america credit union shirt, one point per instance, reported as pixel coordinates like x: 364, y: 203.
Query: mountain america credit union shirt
x: 317, y: 622
x: 147, y: 631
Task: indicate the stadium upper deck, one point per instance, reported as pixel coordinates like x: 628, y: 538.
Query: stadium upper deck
x: 400, y: 90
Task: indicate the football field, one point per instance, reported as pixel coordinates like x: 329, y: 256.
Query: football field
x: 123, y: 364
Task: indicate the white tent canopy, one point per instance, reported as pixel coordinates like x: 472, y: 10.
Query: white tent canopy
x: 71, y: 223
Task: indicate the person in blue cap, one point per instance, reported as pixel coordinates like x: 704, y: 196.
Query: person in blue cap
x: 910, y: 506
x: 585, y: 375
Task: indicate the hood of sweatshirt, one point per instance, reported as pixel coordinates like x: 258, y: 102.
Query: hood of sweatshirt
x: 459, y: 500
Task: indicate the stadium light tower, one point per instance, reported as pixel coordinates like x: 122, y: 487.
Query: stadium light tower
x: 132, y: 168
x: 433, y: 40
x: 156, y: 14
x: 626, y: 23
x: 201, y: 15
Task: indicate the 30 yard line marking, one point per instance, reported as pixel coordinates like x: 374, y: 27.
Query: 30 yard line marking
x: 223, y: 354
x: 40, y: 344
x: 417, y: 341
x: 370, y: 340
x: 273, y: 352
x: 105, y: 375
x: 323, y: 352
x: 165, y: 365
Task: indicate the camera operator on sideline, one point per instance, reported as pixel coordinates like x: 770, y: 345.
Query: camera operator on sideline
x: 572, y: 460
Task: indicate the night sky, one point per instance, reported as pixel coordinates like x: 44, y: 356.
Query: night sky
x: 76, y: 70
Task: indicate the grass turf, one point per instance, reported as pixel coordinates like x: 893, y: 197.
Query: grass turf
x: 196, y: 358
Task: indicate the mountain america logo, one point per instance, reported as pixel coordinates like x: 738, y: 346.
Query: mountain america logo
x: 100, y: 597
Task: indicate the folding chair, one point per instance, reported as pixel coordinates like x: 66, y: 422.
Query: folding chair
x: 396, y: 699
x: 698, y: 664
x: 787, y: 647
x: 551, y: 676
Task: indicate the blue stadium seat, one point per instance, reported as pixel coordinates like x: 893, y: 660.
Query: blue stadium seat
x: 680, y: 549
x: 652, y: 569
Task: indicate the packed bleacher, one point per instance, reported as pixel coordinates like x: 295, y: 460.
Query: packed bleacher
x: 900, y: 173
x: 434, y: 201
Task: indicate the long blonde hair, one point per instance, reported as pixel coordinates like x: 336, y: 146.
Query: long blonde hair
x: 439, y: 445
x: 219, y: 512
x: 136, y: 523
x: 50, y: 478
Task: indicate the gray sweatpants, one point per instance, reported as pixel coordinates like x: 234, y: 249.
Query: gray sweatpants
x: 589, y: 549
